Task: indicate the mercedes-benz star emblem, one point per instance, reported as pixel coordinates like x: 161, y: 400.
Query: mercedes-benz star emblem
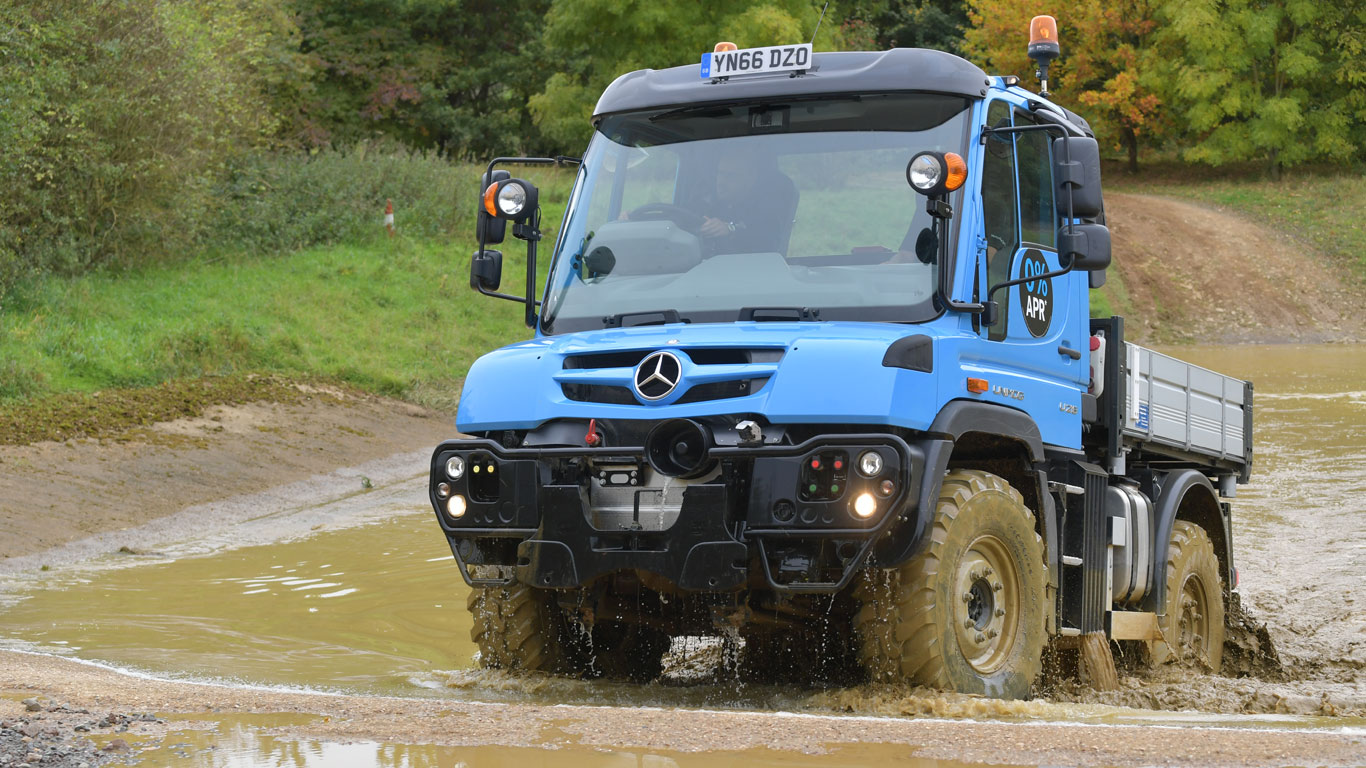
x: 657, y: 375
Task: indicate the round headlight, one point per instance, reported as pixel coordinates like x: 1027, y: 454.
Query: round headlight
x: 443, y: 490
x: 511, y: 199
x: 455, y: 467
x: 925, y: 172
x: 870, y: 464
x: 456, y: 507
x: 865, y: 505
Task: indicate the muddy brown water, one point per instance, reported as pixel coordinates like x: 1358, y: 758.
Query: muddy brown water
x: 233, y: 740
x: 378, y: 607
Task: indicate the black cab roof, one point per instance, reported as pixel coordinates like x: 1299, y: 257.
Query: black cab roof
x: 898, y: 69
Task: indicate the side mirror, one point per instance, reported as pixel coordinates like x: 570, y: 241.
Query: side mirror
x: 927, y: 246
x: 1076, y: 164
x: 488, y: 229
x: 1086, y: 247
x: 486, y: 270
x: 598, y: 263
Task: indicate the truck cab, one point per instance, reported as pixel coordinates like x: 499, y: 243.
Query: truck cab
x: 816, y: 342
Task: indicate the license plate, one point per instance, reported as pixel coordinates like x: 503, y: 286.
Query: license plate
x: 774, y: 58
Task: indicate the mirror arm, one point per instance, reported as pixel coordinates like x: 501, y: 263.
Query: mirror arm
x: 938, y: 207
x: 991, y: 318
x: 532, y: 238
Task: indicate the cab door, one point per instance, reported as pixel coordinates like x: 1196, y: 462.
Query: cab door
x: 1037, y: 341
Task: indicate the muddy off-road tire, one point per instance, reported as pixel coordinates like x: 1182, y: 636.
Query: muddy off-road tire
x: 1193, y: 627
x: 520, y: 628
x: 967, y: 614
x: 523, y: 629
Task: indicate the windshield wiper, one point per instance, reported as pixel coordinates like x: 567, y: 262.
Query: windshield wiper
x: 653, y: 317
x: 779, y: 314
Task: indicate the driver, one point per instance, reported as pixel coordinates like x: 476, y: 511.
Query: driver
x: 745, y: 214
x: 751, y: 209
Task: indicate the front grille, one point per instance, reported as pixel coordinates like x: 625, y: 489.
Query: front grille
x: 624, y: 394
x: 722, y: 390
x: 699, y: 356
x: 606, y: 360
x: 610, y: 395
x: 599, y: 393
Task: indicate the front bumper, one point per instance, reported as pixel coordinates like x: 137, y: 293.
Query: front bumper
x: 526, y: 515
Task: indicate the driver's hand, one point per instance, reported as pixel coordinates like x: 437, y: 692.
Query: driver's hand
x: 714, y: 227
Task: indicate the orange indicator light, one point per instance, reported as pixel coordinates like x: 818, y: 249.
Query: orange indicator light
x: 723, y: 47
x: 490, y: 197
x: 957, y: 171
x: 977, y: 386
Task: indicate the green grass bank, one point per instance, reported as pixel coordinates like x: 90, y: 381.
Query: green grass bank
x: 306, y: 284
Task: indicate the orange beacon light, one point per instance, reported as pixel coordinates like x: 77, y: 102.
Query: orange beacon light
x: 1043, y: 47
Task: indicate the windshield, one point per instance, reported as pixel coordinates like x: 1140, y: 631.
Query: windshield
x: 708, y: 213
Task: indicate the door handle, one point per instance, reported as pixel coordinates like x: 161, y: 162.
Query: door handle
x: 1063, y: 349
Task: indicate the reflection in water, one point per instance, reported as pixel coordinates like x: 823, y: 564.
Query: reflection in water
x: 239, y: 745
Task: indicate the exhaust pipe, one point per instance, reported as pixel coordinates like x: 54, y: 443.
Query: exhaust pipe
x: 679, y: 448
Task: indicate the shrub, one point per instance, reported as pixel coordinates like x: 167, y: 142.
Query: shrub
x: 281, y: 202
x: 117, y: 117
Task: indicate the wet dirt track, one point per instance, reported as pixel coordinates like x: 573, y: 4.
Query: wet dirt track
x: 377, y: 609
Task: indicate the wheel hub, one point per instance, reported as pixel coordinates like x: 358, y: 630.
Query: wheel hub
x: 1192, y: 629
x: 986, y: 606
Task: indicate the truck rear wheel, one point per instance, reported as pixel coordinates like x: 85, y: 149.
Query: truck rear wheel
x: 520, y: 628
x: 967, y: 614
x: 1193, y: 627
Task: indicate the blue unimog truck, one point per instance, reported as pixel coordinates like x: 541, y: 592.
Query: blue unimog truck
x: 814, y: 367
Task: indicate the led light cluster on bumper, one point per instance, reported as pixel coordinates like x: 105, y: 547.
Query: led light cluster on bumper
x: 840, y: 486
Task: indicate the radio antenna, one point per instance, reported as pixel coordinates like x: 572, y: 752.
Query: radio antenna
x: 818, y: 21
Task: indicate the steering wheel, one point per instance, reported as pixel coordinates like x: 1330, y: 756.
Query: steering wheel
x: 684, y: 218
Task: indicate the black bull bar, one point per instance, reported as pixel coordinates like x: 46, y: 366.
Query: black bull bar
x: 538, y: 528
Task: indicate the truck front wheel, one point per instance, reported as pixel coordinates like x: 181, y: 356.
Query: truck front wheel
x: 520, y: 628
x: 1193, y: 627
x: 967, y: 614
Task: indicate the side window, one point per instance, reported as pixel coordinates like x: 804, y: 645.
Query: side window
x: 999, y: 210
x: 1037, y: 218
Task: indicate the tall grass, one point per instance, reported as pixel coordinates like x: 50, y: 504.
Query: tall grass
x: 301, y: 279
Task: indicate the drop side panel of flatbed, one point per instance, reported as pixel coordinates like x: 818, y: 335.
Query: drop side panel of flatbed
x: 1185, y: 408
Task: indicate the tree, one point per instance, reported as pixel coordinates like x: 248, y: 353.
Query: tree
x: 450, y: 74
x: 1107, y: 69
x: 591, y: 42
x: 117, y: 116
x: 937, y: 24
x: 1280, y: 80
